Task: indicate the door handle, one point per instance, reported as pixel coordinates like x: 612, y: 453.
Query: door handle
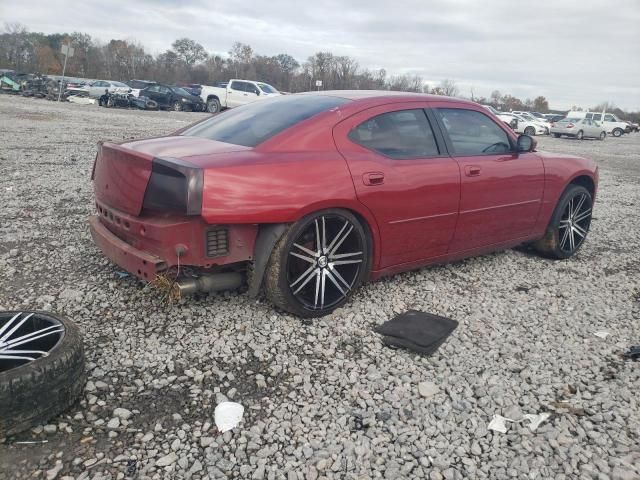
x: 472, y: 170
x: 373, y: 178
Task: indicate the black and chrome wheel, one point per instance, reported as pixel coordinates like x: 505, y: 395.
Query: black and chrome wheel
x: 41, y: 368
x: 569, y: 224
x: 617, y: 132
x: 176, y: 106
x: 580, y: 135
x: 318, y: 263
x: 530, y: 131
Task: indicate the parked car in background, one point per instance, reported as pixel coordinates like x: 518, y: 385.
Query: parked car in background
x: 173, y: 98
x: 554, y: 117
x: 98, y: 88
x: 236, y: 93
x: 307, y: 196
x: 579, y: 128
x: 137, y: 85
x: 523, y: 125
x: 612, y: 124
x: 633, y: 127
x: 505, y: 117
x: 532, y: 118
x: 192, y: 88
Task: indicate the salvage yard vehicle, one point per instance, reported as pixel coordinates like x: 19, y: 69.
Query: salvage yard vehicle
x: 579, y: 128
x: 99, y: 87
x: 523, y: 125
x: 612, y: 124
x: 307, y: 196
x: 137, y: 85
x: 236, y: 93
x: 174, y: 98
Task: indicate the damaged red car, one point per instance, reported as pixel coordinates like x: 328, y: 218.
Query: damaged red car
x: 307, y: 196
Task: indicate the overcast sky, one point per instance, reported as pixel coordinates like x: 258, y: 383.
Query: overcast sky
x: 574, y: 52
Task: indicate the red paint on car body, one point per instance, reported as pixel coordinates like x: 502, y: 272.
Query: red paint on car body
x: 418, y: 211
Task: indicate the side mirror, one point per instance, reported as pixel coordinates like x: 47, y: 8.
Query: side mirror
x: 526, y: 143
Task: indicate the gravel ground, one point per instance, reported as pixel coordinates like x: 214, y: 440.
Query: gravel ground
x: 325, y: 399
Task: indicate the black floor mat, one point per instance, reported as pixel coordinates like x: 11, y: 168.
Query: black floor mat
x: 417, y: 331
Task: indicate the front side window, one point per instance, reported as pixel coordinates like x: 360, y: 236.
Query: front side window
x: 402, y: 134
x: 266, y: 88
x: 252, y: 124
x: 473, y: 133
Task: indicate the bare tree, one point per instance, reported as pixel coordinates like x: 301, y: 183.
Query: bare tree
x: 189, y: 51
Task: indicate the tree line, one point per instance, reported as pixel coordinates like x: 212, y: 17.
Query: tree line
x: 189, y: 62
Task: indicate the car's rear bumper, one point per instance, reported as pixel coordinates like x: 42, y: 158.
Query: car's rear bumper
x: 144, y: 246
x: 141, y: 264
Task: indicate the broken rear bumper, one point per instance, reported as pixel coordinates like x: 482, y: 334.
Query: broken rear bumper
x: 142, y: 264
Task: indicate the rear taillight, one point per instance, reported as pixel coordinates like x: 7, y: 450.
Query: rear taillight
x: 570, y: 125
x: 174, y: 186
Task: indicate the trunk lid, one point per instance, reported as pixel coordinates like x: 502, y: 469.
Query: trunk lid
x: 122, y: 171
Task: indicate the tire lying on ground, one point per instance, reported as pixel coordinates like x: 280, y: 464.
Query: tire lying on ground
x: 42, y: 368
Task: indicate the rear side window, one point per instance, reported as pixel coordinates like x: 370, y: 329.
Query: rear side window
x: 402, y: 134
x: 473, y: 133
x: 252, y: 124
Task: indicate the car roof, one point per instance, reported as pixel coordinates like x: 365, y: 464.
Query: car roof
x: 380, y: 97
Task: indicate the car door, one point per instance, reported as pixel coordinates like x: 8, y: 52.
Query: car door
x: 153, y: 92
x: 403, y: 175
x: 252, y: 93
x: 236, y: 93
x: 97, y: 89
x: 501, y: 190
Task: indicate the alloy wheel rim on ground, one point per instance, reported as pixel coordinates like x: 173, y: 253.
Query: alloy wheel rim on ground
x: 325, y: 261
x: 574, y: 223
x: 26, y: 337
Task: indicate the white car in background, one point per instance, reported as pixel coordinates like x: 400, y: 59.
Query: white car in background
x: 97, y: 88
x: 532, y: 118
x: 521, y: 124
x: 505, y: 117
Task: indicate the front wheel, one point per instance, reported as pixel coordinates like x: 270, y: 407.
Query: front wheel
x: 557, y: 135
x: 318, y: 263
x: 569, y: 224
x: 580, y: 135
x: 530, y: 131
x: 176, y: 107
x: 617, y: 132
x: 603, y: 135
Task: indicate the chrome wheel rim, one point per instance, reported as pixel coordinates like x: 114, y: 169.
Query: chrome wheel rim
x: 25, y: 337
x: 325, y: 262
x: 574, y: 223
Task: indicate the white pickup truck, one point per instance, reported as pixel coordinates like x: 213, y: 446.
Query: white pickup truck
x: 236, y: 93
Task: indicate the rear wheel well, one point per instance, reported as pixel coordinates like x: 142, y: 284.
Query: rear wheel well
x: 586, y: 182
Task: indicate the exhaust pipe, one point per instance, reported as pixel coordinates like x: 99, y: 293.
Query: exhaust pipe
x: 209, y: 283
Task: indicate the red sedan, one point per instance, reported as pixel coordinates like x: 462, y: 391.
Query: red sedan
x: 307, y: 196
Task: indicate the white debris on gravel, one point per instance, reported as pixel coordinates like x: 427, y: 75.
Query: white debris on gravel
x: 323, y: 400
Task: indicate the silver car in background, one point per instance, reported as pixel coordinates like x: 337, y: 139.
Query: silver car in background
x: 579, y: 128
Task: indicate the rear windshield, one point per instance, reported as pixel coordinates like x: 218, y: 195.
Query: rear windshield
x: 252, y: 124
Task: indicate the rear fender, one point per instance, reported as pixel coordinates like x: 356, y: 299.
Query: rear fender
x: 268, y: 236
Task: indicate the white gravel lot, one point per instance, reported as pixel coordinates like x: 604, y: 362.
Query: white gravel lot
x: 324, y: 400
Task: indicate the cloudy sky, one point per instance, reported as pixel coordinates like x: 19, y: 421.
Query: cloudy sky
x: 574, y: 52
